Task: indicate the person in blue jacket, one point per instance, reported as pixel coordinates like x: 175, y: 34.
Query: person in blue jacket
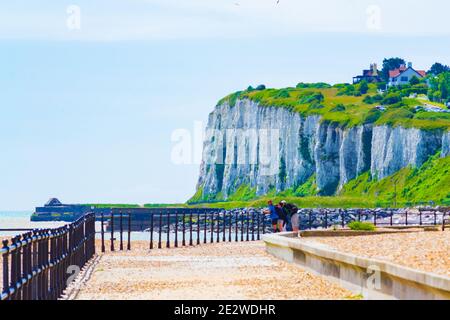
x: 277, y: 222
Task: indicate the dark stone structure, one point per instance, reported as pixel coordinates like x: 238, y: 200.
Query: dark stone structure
x: 54, y: 210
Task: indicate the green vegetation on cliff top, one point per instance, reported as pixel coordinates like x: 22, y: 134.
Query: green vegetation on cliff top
x: 347, y: 106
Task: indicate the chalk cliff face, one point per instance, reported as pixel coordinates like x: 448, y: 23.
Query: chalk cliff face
x: 270, y: 148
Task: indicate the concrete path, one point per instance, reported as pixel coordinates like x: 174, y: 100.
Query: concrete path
x: 223, y: 271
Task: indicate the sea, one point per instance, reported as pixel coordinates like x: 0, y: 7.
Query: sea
x: 21, y: 220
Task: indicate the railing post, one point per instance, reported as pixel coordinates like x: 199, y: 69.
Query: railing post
x: 184, y: 229
x: 326, y: 219
x: 224, y: 239
x: 218, y: 227
x: 14, y: 263
x: 212, y: 227
x: 198, y: 227
x: 129, y: 231
x: 121, y: 229
x: 342, y: 212
x: 176, y: 229
x: 420, y: 217
x: 151, y: 229
x: 168, y: 230
x: 375, y: 218
x: 236, y: 224
x: 112, y: 230
x: 102, y: 231
x: 190, y: 229
x: 247, y: 215
x: 205, y: 220
x: 242, y: 226
x: 392, y: 218
x: 253, y: 226
x: 230, y: 226
x: 406, y: 217
x: 160, y: 229
x: 258, y: 234
x: 5, y: 287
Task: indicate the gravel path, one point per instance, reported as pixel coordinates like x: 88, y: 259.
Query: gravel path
x: 427, y: 251
x: 219, y: 272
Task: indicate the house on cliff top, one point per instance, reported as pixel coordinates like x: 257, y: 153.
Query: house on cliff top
x: 371, y: 75
x: 404, y: 74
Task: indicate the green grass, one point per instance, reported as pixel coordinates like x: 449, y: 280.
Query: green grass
x: 431, y: 182
x: 361, y: 226
x: 111, y: 205
x: 308, y: 101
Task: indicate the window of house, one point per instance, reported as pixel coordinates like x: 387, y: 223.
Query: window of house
x: 404, y: 79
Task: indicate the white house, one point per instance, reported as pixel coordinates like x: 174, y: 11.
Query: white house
x: 404, y: 74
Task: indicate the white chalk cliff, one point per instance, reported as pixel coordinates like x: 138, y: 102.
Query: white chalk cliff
x: 239, y: 138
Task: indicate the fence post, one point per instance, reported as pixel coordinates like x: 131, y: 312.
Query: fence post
x: 406, y: 217
x: 129, y: 231
x: 218, y: 227
x: 420, y: 217
x: 112, y: 230
x: 5, y: 288
x: 375, y: 218
x: 253, y: 226
x: 212, y: 227
x: 326, y: 219
x: 236, y: 223
x: 176, y: 228
x: 230, y: 226
x: 242, y: 226
x: 198, y: 227
x: 205, y: 217
x: 151, y: 230
x: 190, y: 229
x: 342, y: 212
x: 258, y: 235
x: 102, y: 231
x: 121, y: 229
x: 224, y: 226
x: 14, y: 262
x: 392, y: 218
x: 168, y: 230
x: 184, y: 228
x: 159, y: 232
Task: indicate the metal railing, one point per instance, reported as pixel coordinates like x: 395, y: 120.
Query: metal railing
x: 35, y: 264
x: 325, y: 218
x: 192, y: 227
x: 183, y: 227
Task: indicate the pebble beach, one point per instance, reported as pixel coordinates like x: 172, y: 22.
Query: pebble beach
x: 225, y: 271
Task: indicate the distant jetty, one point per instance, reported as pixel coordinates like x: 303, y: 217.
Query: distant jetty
x: 55, y: 210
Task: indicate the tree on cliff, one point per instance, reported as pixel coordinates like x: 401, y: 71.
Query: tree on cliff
x: 438, y: 68
x: 390, y: 64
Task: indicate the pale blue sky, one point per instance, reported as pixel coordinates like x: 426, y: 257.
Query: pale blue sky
x: 87, y: 115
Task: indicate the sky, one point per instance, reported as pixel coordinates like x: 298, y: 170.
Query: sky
x: 93, y: 92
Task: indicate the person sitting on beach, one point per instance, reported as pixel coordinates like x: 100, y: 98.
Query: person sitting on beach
x: 277, y: 223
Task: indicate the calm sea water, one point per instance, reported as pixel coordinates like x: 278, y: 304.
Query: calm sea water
x: 21, y: 220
